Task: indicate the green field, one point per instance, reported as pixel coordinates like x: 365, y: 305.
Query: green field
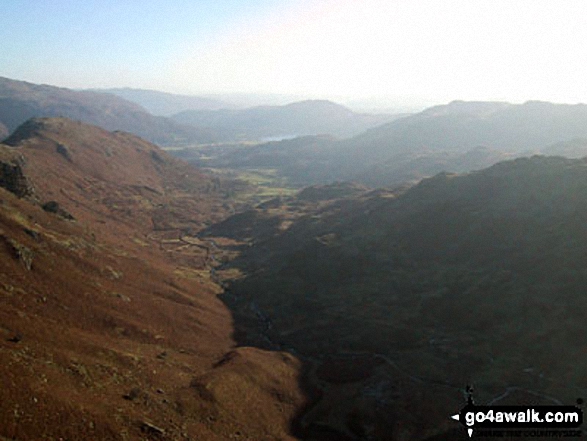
x: 261, y: 183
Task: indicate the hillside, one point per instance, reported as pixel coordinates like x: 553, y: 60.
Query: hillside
x: 312, y: 160
x: 457, y: 137
x: 110, y: 325
x: 462, y: 126
x: 400, y: 299
x: 135, y: 306
x: 3, y: 131
x: 574, y: 148
x: 314, y: 117
x: 165, y: 104
x: 20, y: 101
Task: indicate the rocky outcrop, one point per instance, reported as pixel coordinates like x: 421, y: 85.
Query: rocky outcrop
x: 55, y: 208
x: 20, y: 252
x: 64, y: 151
x: 26, y: 130
x: 12, y: 178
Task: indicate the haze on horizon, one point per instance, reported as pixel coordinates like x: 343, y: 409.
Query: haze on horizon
x: 408, y: 53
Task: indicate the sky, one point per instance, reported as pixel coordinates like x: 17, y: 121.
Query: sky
x: 409, y: 52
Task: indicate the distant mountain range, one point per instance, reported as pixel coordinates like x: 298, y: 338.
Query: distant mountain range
x: 461, y: 126
x: 20, y: 101
x: 457, y: 137
x: 305, y: 144
x: 166, y: 104
x: 133, y: 111
x: 313, y: 117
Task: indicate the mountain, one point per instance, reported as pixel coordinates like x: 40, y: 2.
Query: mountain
x: 574, y: 148
x: 311, y: 117
x: 140, y: 302
x: 457, y: 137
x: 400, y: 299
x: 303, y: 161
x: 464, y: 125
x: 110, y: 323
x: 3, y: 131
x: 20, y: 101
x: 166, y: 104
x: 312, y: 160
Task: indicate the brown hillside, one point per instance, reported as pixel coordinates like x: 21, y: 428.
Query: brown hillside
x: 110, y: 325
x: 99, y: 177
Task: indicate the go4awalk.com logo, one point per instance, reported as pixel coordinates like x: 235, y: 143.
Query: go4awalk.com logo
x: 522, y: 421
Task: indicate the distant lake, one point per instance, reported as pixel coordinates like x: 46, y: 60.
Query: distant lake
x: 277, y: 138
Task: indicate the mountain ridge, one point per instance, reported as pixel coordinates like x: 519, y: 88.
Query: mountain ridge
x: 163, y: 103
x: 309, y: 117
x: 20, y: 101
x: 456, y: 137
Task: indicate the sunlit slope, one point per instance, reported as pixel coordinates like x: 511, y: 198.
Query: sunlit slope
x: 110, y: 323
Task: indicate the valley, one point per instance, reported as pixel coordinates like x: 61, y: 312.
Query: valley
x: 316, y: 288
x: 388, y: 333
x: 457, y: 137
x: 110, y: 322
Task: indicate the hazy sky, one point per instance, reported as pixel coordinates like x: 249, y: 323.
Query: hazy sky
x: 421, y: 50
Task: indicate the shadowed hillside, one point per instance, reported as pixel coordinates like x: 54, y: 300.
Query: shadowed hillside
x: 3, y: 131
x: 400, y: 299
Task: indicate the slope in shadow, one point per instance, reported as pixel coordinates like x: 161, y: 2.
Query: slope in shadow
x: 396, y: 301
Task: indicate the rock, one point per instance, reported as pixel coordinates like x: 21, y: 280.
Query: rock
x: 151, y: 429
x: 133, y: 394
x: 16, y: 338
x: 12, y: 178
x: 157, y: 157
x: 64, y: 151
x: 51, y: 207
x: 34, y: 234
x: 55, y: 208
x: 123, y: 297
x: 22, y: 253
